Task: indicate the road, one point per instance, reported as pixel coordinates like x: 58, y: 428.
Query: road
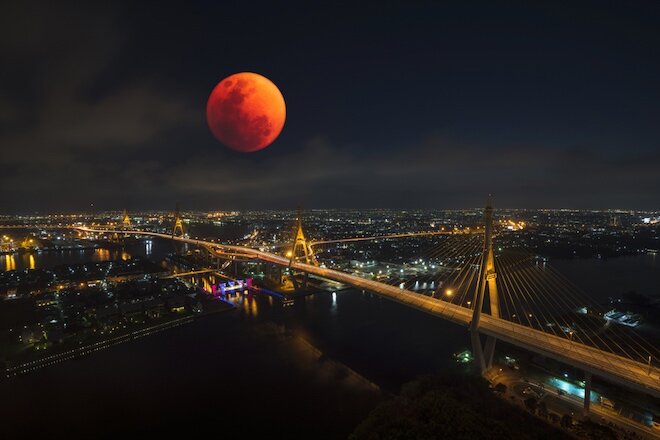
x: 390, y: 236
x: 566, y: 403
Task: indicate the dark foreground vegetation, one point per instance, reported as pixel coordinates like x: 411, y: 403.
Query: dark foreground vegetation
x: 452, y: 406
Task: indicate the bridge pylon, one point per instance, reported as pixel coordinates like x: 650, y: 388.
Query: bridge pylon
x: 301, y: 250
x: 178, y: 223
x: 301, y: 247
x: 125, y: 220
x: 487, y: 280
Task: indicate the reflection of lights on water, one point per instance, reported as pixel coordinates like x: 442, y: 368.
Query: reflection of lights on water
x: 148, y: 247
x: 334, y: 300
x: 10, y: 262
x: 33, y: 264
x: 102, y: 254
x: 253, y: 308
x: 249, y: 302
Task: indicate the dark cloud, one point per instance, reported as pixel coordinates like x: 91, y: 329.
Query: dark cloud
x: 435, y: 173
x: 106, y: 104
x: 62, y: 144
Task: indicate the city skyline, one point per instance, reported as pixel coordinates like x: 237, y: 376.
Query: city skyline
x: 89, y: 285
x: 394, y: 106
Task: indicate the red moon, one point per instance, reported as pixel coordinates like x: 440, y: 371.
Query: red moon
x: 246, y: 112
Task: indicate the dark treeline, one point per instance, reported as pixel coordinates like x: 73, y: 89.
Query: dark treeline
x: 452, y: 406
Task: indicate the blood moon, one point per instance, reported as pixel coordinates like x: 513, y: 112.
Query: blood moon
x: 246, y: 112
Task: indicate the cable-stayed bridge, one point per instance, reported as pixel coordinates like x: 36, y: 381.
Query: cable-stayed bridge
x: 510, y: 297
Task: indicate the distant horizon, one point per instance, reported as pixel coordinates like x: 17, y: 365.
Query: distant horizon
x: 183, y: 209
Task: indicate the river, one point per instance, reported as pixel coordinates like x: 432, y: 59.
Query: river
x: 310, y: 370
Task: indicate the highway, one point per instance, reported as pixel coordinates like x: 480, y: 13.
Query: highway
x: 609, y: 366
x: 390, y: 236
x: 565, y: 403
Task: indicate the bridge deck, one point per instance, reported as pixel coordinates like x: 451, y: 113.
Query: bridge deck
x: 610, y: 366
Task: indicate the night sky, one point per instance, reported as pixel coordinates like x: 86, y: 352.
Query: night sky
x: 418, y: 105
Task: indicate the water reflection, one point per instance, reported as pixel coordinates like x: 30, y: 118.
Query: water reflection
x: 246, y: 308
x: 101, y: 255
x: 10, y: 262
x: 206, y: 285
x: 155, y: 250
x: 253, y: 304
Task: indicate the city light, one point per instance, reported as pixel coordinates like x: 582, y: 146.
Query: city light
x: 402, y: 270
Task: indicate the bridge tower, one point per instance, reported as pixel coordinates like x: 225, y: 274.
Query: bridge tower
x: 301, y: 251
x: 301, y: 247
x: 125, y: 220
x: 178, y: 222
x: 487, y: 280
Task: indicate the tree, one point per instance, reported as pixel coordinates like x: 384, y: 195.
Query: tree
x: 543, y: 410
x: 595, y: 431
x: 453, y: 406
x: 500, y: 388
x: 531, y: 404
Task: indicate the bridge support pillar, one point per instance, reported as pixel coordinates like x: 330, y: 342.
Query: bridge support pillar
x: 300, y: 284
x: 477, y: 351
x: 587, y: 392
x: 489, y: 351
